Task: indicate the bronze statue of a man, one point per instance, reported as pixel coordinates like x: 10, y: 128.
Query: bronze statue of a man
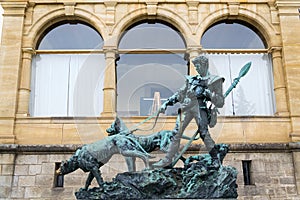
x: 194, y: 96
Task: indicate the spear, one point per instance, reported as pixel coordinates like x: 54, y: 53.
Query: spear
x: 242, y: 73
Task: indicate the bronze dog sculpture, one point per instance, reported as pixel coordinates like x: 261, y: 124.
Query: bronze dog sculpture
x: 156, y: 141
x: 91, y: 157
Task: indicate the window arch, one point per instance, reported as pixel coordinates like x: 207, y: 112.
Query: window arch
x: 230, y: 45
x: 232, y: 35
x: 70, y: 35
x: 151, y: 66
x: 152, y: 35
x: 67, y: 71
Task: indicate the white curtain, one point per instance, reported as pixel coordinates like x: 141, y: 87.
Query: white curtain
x: 254, y: 94
x: 67, y: 85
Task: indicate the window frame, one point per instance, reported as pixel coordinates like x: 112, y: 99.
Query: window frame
x: 62, y: 51
x: 145, y: 51
x: 264, y: 50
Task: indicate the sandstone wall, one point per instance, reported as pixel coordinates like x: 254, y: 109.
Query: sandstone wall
x: 25, y: 23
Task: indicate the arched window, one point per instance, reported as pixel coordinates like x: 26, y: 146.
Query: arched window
x: 230, y: 46
x: 150, y: 69
x: 67, y: 72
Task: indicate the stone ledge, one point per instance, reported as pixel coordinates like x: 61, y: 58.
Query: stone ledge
x: 9, y: 148
x: 70, y: 148
x: 256, y: 147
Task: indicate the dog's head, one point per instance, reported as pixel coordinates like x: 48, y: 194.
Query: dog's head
x: 117, y: 127
x: 63, y: 168
x: 68, y: 166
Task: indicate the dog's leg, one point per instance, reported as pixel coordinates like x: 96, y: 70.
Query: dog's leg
x: 130, y: 161
x: 137, y: 154
x: 96, y: 173
x: 89, y: 180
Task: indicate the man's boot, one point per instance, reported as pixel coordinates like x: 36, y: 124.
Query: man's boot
x: 212, y: 148
x: 215, y: 161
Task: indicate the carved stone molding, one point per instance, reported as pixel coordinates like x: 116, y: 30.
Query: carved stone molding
x: 274, y: 13
x: 110, y: 52
x: 110, y: 12
x: 233, y: 9
x: 151, y: 8
x: 193, y: 12
x: 276, y: 51
x: 14, y: 8
x: 69, y: 8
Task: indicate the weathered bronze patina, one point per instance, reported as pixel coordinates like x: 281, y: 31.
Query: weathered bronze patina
x: 203, y: 176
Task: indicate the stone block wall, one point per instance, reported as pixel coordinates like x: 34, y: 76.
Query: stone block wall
x: 272, y: 175
x: 6, y: 174
x: 33, y: 178
x: 31, y: 175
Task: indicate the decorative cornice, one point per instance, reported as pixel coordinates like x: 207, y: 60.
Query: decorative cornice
x: 287, y: 3
x: 14, y: 8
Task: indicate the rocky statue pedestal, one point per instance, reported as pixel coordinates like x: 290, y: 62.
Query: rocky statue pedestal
x: 197, y: 180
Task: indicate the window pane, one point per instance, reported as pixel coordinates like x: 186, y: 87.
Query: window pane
x: 49, y: 85
x: 139, y: 76
x: 67, y: 85
x: 152, y: 36
x: 254, y: 93
x: 71, y: 36
x: 86, y: 85
x: 231, y: 36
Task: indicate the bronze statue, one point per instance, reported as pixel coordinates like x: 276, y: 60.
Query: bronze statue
x: 91, y: 157
x: 194, y: 95
x: 206, y: 178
